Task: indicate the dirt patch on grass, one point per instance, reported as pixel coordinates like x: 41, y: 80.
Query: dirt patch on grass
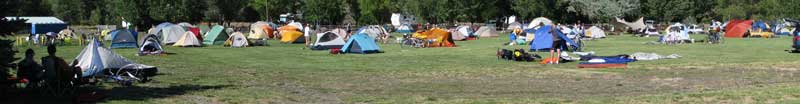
x: 555, y: 83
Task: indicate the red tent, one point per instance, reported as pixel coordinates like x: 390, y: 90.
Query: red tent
x: 196, y: 32
x: 737, y: 28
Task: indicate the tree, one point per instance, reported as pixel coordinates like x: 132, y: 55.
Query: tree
x: 604, y: 10
x: 323, y: 11
x: 7, y: 50
x: 67, y: 10
x: 270, y: 8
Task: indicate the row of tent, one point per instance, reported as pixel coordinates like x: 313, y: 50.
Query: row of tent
x: 591, y: 32
x: 738, y: 28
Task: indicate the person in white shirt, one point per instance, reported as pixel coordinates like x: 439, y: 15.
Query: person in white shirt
x: 306, y: 32
x: 125, y: 24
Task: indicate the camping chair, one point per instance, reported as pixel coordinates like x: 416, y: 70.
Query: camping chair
x: 62, y: 83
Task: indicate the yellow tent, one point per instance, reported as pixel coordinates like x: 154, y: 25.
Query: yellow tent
x: 290, y: 35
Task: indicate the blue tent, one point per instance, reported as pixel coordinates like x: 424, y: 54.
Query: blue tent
x: 123, y: 38
x: 405, y: 29
x: 760, y: 25
x: 543, y: 39
x: 360, y: 43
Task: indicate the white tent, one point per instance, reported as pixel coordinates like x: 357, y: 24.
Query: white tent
x: 595, y: 32
x: 511, y: 19
x: 188, y: 39
x: 487, y: 31
x: 257, y: 30
x: 185, y: 24
x: 330, y: 39
x: 297, y: 24
x: 237, y: 39
x: 635, y: 25
x: 511, y: 26
x: 539, y: 20
x: 461, y: 33
x: 405, y: 29
x: 396, y: 19
x: 170, y: 34
x: 94, y: 58
x: 374, y: 31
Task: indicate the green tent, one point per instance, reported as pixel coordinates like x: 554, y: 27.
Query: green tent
x: 216, y: 36
x: 203, y: 28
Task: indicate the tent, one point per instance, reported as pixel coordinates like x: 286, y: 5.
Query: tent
x: 41, y: 25
x: 680, y: 31
x: 203, y: 29
x: 94, y: 59
x: 595, y: 32
x: 405, y: 29
x: 760, y: 26
x: 360, y: 43
x: 65, y: 33
x: 185, y: 24
x: 237, y: 39
x: 462, y: 32
x: 539, y: 20
x: 514, y: 25
x: 637, y: 25
x: 158, y: 28
x: 737, y: 28
x: 291, y: 36
x: 216, y: 36
x: 171, y: 33
x: 261, y: 29
x: 396, y: 20
x: 544, y: 38
x: 297, y: 24
x: 487, y: 31
x: 440, y: 37
x: 196, y: 32
x: 374, y: 31
x: 150, y: 45
x: 329, y: 40
x: 188, y: 39
x: 123, y: 38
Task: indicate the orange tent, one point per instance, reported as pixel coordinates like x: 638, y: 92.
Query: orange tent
x: 737, y: 28
x: 439, y: 37
x: 269, y: 31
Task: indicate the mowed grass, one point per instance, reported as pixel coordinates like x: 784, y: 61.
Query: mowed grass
x: 737, y: 71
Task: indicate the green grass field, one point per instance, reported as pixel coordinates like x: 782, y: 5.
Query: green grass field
x: 750, y: 70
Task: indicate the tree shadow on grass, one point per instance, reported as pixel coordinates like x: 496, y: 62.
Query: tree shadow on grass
x: 144, y: 93
x: 95, y: 95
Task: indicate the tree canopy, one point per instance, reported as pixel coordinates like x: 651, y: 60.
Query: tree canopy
x: 148, y: 12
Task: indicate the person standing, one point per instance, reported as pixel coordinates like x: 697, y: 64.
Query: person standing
x: 558, y: 43
x: 306, y: 33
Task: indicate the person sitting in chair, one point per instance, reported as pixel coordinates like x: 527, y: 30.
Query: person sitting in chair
x: 55, y: 68
x: 29, y: 69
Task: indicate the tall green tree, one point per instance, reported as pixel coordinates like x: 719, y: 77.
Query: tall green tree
x: 7, y: 51
x: 323, y: 11
x: 270, y: 9
x: 604, y: 10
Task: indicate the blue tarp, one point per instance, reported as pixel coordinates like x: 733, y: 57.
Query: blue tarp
x: 543, y: 39
x: 44, y: 28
